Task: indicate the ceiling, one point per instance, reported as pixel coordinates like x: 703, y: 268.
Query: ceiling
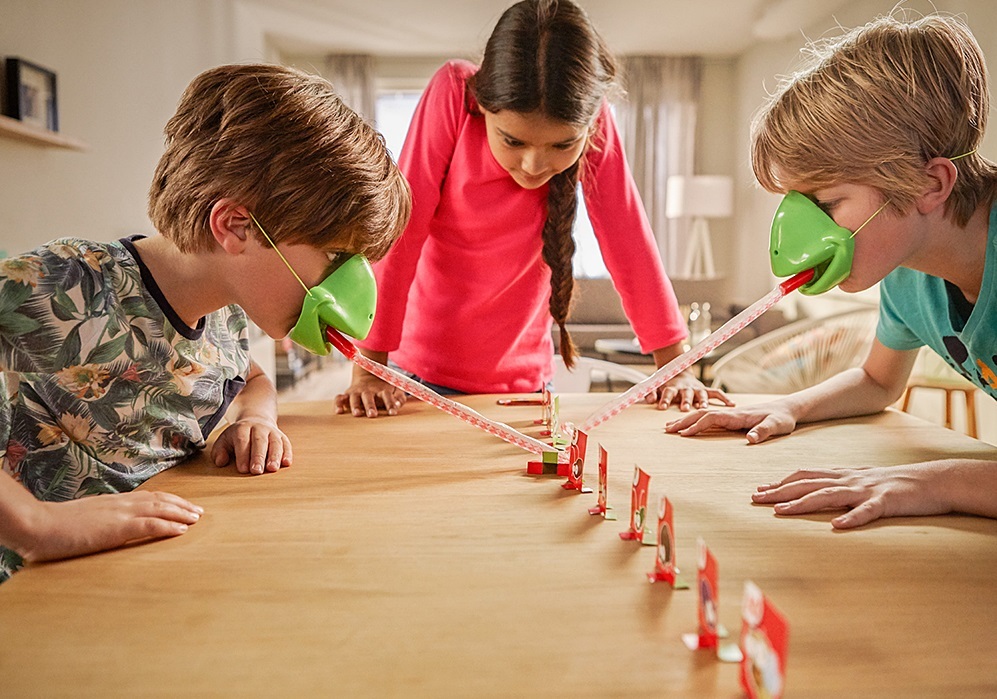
x: 460, y: 27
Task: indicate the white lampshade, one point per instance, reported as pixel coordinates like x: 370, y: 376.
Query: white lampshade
x: 709, y: 196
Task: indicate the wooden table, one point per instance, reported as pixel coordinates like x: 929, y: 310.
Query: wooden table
x: 412, y: 556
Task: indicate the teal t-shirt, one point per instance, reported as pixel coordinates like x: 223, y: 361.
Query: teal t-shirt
x: 102, y: 385
x: 918, y: 309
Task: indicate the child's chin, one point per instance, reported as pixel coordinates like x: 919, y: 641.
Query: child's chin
x: 852, y: 286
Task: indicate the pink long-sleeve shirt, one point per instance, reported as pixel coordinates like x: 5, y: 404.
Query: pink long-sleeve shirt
x: 463, y: 295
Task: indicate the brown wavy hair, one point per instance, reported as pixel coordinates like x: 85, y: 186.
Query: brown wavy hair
x: 545, y: 56
x: 282, y: 143
x: 874, y: 105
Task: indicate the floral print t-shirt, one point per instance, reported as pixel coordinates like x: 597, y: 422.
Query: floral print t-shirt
x: 101, y: 384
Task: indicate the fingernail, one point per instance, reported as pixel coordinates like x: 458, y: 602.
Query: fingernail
x: 371, y: 413
x: 198, y: 509
x: 257, y: 468
x: 358, y: 412
x: 181, y: 528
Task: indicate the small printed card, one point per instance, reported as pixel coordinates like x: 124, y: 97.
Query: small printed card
x: 665, y: 569
x: 602, y: 508
x: 638, y: 506
x: 710, y: 628
x: 577, y: 460
x: 764, y: 643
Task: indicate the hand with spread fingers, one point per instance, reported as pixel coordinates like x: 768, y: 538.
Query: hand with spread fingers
x: 761, y: 421
x: 688, y: 393
x: 928, y: 488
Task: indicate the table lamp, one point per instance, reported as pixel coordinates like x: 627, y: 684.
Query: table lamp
x: 699, y: 197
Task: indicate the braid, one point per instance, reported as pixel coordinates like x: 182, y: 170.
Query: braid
x: 558, y: 249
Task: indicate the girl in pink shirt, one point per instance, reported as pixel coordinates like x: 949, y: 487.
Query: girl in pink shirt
x: 493, y: 156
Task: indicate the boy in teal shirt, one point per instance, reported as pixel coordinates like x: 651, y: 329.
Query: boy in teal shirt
x: 884, y: 128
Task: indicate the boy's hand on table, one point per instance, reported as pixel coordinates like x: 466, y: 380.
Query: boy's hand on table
x: 868, y: 493
x: 100, y: 522
x: 366, y: 394
x: 254, y: 444
x: 687, y: 392
x: 761, y: 421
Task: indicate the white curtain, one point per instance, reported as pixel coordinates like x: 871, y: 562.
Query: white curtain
x: 657, y: 119
x: 352, y: 76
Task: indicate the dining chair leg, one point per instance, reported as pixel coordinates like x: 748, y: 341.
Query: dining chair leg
x: 971, y: 413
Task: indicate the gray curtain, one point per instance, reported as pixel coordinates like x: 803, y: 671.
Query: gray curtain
x: 353, y: 77
x: 657, y: 119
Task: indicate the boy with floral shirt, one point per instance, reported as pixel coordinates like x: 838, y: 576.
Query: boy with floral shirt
x: 117, y: 360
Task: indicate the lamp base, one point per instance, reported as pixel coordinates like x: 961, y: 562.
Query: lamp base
x: 699, y: 255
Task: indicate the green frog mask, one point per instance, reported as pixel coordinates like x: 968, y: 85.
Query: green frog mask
x: 345, y: 300
x: 805, y: 237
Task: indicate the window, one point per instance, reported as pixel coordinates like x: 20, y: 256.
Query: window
x: 393, y: 114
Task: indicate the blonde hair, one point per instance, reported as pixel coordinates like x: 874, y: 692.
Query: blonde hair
x: 282, y: 143
x: 874, y: 105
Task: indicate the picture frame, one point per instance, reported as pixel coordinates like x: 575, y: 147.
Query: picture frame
x: 30, y: 94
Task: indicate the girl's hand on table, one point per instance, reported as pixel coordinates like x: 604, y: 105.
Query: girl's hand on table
x: 101, y: 522
x: 366, y: 394
x: 256, y: 445
x: 761, y: 421
x: 868, y: 493
x: 687, y: 392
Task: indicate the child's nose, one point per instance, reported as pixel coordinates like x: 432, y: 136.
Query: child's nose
x: 533, y: 163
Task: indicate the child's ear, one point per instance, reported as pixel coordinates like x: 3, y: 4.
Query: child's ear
x: 230, y: 225
x: 942, y: 174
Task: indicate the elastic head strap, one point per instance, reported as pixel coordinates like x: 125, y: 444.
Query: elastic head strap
x: 874, y: 214
x: 270, y: 240
x: 964, y: 154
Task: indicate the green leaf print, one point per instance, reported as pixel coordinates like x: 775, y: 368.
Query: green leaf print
x: 69, y: 353
x: 15, y: 324
x: 107, y: 352
x: 63, y: 307
x: 135, y: 307
x: 236, y: 323
x: 14, y: 294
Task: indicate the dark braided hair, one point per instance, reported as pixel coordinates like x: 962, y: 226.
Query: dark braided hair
x: 545, y: 56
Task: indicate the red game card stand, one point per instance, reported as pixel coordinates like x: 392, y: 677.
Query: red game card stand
x: 638, y: 507
x: 576, y: 458
x: 764, y: 643
x: 552, y: 463
x: 602, y: 508
x: 665, y: 569
x: 710, y: 628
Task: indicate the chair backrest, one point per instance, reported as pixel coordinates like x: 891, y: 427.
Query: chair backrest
x: 589, y: 370
x: 798, y: 355
x: 932, y: 371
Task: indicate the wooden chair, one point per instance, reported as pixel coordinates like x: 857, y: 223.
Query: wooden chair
x: 931, y: 371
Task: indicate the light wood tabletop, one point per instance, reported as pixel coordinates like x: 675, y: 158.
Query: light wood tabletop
x: 413, y: 556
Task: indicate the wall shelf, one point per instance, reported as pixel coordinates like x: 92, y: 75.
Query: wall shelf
x: 14, y: 129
